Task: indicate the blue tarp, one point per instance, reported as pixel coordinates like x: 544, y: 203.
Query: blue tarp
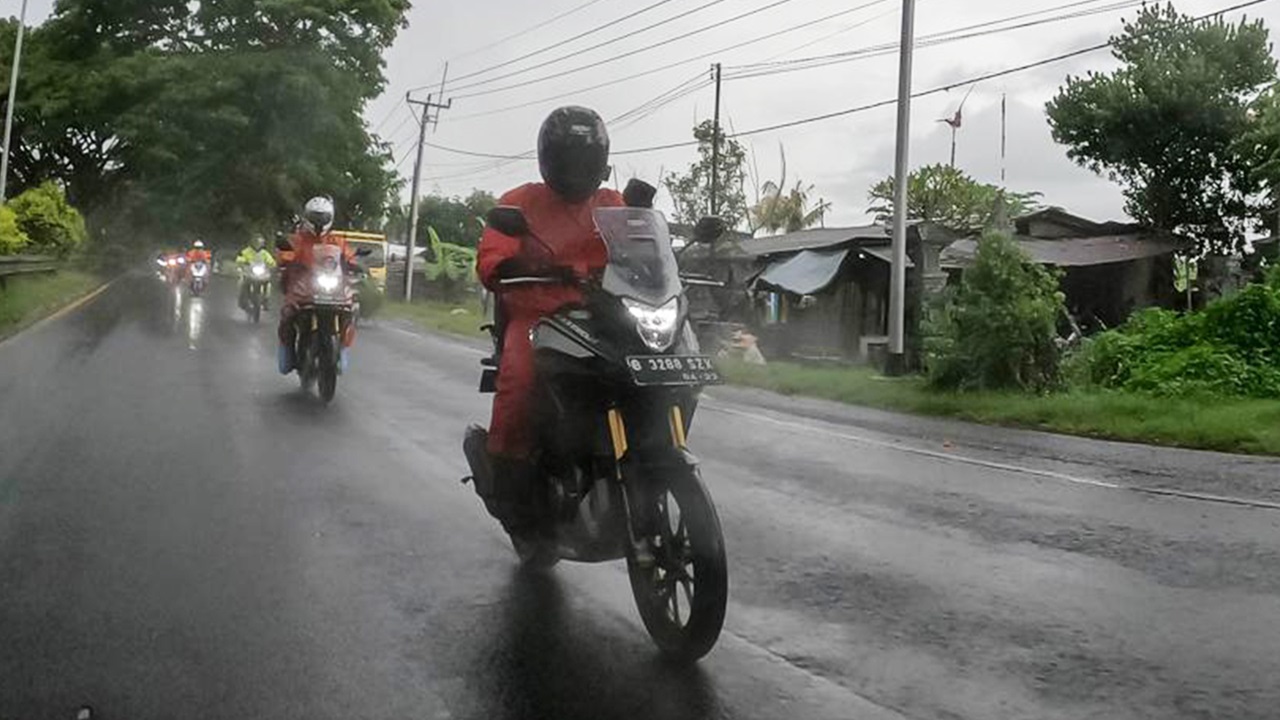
x: 805, y: 273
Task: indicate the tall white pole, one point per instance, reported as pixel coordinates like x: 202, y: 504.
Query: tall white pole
x: 898, y: 271
x: 13, y: 94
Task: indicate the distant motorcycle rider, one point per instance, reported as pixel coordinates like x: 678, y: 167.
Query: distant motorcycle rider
x: 252, y: 254
x: 573, y: 157
x: 198, y: 253
x: 315, y: 228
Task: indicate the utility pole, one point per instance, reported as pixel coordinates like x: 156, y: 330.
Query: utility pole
x: 13, y: 95
x: 715, y: 148
x: 414, y: 200
x: 897, y: 361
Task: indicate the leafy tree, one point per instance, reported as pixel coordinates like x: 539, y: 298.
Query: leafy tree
x: 779, y: 210
x: 691, y: 191
x: 1168, y: 123
x: 456, y: 221
x: 999, y: 328
x: 12, y: 239
x: 216, y: 118
x: 48, y: 220
x: 949, y: 197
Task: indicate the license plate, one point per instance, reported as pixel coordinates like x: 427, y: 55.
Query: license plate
x: 673, y: 370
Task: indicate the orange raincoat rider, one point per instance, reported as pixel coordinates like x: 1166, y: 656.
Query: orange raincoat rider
x: 315, y: 228
x: 573, y: 156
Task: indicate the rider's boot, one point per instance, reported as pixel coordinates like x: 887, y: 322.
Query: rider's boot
x: 504, y: 484
x: 285, y: 362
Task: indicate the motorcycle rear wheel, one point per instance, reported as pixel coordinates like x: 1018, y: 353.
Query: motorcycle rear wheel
x: 683, y: 594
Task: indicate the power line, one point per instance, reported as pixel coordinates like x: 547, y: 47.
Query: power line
x: 932, y: 91
x: 544, y: 23
x: 561, y: 43
x: 923, y: 93
x: 678, y: 63
x: 597, y: 46
x: 938, y: 38
x: 389, y: 114
x: 619, y: 122
x: 630, y: 53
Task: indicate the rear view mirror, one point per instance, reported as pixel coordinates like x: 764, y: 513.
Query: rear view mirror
x: 508, y: 220
x: 709, y: 229
x: 283, y: 244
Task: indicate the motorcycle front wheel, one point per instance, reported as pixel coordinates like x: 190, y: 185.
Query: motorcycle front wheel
x: 328, y: 366
x: 683, y: 592
x: 306, y: 360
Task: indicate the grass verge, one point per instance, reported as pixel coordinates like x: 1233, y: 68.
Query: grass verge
x: 1225, y: 424
x: 28, y: 298
x: 463, y: 318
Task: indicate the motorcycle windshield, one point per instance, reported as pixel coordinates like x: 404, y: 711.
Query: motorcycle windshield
x: 642, y: 265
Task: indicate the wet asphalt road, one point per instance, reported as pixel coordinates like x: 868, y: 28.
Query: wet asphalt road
x: 183, y: 534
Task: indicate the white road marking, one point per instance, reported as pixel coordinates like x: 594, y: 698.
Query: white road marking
x: 994, y: 465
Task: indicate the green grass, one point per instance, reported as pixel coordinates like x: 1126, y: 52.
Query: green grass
x: 27, y: 298
x: 1226, y: 424
x: 463, y: 318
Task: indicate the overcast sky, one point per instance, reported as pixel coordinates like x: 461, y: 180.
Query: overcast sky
x: 842, y: 157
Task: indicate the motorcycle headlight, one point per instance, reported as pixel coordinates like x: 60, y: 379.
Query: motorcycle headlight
x: 259, y: 271
x: 327, y: 282
x: 657, y: 326
x: 199, y: 270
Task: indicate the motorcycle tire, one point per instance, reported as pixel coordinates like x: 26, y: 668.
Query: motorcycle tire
x: 327, y: 361
x: 256, y: 312
x: 536, y: 553
x: 696, y: 540
x: 307, y: 364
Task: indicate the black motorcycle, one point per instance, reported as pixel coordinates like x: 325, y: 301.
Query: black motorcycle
x: 257, y: 284
x: 323, y: 320
x: 618, y: 379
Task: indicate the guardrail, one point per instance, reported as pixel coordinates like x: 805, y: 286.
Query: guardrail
x: 11, y: 265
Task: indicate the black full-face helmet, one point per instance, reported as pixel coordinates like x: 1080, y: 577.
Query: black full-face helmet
x: 573, y: 152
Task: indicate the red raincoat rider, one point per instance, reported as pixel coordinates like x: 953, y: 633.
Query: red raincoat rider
x: 198, y: 252
x: 573, y: 156
x: 315, y: 229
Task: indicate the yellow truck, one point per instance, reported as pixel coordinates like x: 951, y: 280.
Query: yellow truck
x: 376, y: 261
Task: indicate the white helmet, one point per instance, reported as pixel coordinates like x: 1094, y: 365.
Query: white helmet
x: 317, y: 216
x: 199, y: 244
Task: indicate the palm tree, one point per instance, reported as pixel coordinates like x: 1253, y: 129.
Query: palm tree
x: 784, y: 210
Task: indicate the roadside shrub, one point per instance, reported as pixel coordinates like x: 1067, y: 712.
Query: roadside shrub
x: 371, y: 298
x: 998, y: 329
x: 49, y: 221
x: 12, y: 239
x: 1232, y: 348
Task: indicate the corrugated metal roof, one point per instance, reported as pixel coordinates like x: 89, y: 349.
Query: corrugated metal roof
x: 1071, y: 252
x: 814, y: 239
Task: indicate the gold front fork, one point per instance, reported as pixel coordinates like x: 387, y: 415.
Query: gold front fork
x: 677, y: 427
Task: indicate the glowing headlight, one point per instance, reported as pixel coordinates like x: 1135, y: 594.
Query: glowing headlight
x: 259, y: 270
x: 199, y: 269
x: 327, y: 282
x: 657, y: 326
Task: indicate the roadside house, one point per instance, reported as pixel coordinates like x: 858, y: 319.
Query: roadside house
x: 823, y: 293
x: 1108, y: 269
